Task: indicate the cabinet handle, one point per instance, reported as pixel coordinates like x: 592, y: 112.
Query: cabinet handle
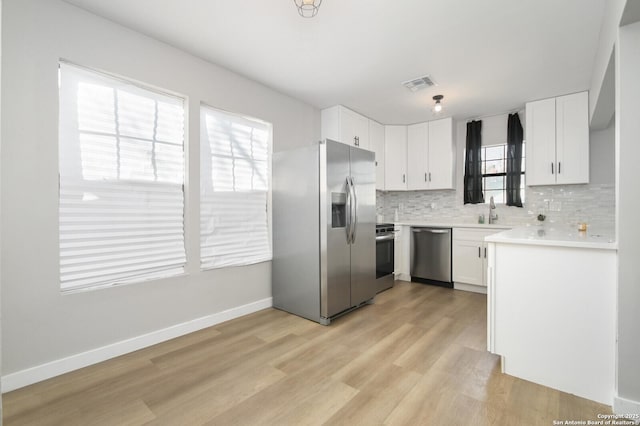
x: 551, y: 168
x: 403, y: 178
x: 429, y: 176
x: 485, y: 252
x: 425, y: 177
x: 559, y: 165
x: 479, y: 252
x: 357, y: 140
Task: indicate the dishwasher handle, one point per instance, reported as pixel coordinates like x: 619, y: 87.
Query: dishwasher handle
x: 433, y: 231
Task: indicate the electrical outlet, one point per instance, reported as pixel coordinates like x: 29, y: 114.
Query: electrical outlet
x: 401, y: 206
x: 555, y: 206
x: 433, y: 206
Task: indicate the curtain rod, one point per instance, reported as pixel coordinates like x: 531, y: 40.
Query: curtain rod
x: 493, y: 115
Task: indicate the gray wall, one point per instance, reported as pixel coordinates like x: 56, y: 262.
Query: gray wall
x: 608, y: 33
x: 628, y: 152
x: 602, y: 159
x: 40, y: 324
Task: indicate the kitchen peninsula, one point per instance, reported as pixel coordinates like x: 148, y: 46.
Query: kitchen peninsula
x: 552, y: 307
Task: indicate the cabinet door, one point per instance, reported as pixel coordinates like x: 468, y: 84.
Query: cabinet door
x: 468, y: 262
x: 398, y: 252
x: 330, y: 124
x: 440, y: 154
x: 395, y: 158
x: 572, y: 138
x: 541, y: 142
x: 485, y: 263
x: 376, y: 144
x: 417, y: 153
x: 355, y: 128
x: 470, y: 255
x: 402, y: 252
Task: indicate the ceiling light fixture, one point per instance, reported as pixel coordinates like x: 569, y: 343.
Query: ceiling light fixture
x: 308, y: 8
x: 437, y: 108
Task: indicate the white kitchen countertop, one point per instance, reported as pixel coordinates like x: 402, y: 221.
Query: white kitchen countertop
x: 558, y: 236
x: 497, y: 226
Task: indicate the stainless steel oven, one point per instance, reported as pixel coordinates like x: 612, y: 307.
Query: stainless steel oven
x: 385, y: 247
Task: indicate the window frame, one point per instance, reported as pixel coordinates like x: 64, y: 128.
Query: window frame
x: 75, y: 174
x: 269, y: 162
x: 501, y: 174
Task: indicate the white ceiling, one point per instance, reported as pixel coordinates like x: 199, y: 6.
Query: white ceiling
x: 487, y: 56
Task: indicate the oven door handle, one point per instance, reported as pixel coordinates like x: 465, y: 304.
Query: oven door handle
x: 385, y: 238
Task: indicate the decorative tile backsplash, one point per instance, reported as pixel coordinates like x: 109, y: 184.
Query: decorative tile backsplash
x: 562, y: 204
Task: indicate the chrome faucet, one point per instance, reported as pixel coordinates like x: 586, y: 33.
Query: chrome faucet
x: 492, y: 211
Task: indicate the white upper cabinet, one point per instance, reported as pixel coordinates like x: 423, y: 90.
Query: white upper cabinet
x: 572, y: 138
x: 430, y: 155
x: 557, y: 140
x: 346, y: 126
x: 376, y: 144
x: 541, y: 142
x: 417, y: 156
x: 441, y: 154
x: 395, y: 152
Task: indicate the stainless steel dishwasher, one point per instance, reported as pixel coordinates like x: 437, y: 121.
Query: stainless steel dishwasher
x: 431, y: 256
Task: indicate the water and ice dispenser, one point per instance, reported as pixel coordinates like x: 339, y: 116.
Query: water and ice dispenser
x: 338, y: 209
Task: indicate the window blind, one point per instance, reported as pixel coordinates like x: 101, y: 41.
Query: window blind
x: 234, y: 188
x: 121, y: 158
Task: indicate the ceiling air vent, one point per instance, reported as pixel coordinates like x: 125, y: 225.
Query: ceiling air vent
x: 419, y: 83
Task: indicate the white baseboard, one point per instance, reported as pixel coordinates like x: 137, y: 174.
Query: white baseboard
x: 470, y: 287
x: 64, y: 365
x: 402, y: 277
x: 625, y: 406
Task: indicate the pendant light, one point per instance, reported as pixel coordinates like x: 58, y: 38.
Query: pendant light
x: 308, y: 8
x: 437, y: 108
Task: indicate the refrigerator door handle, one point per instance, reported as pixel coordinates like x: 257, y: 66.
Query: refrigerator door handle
x: 351, y: 214
x: 355, y: 212
x: 348, y: 212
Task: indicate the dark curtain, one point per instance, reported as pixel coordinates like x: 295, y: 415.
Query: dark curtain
x: 514, y: 160
x: 473, y: 164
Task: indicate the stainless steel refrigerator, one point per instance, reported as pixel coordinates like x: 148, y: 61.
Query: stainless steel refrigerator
x: 324, y: 206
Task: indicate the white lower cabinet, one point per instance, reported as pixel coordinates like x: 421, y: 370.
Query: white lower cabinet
x: 402, y: 253
x: 468, y: 262
x: 470, y: 258
x: 551, y: 316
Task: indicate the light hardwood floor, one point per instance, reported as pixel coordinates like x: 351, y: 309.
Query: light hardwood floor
x: 415, y: 357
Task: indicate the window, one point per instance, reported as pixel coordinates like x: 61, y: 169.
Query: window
x: 494, y: 172
x: 234, y: 188
x: 121, y: 159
